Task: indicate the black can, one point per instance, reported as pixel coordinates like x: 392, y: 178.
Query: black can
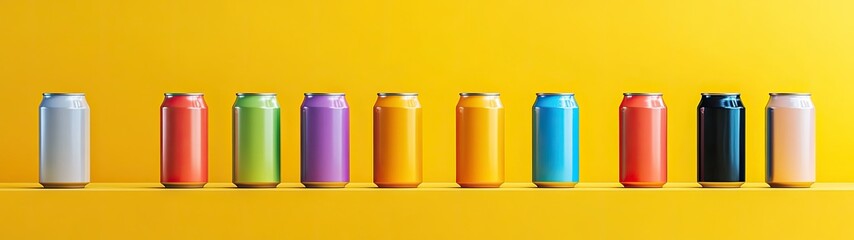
x: 720, y: 140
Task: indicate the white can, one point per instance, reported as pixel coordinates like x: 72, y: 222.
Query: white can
x: 63, y: 140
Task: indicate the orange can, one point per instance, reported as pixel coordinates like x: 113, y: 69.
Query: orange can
x: 397, y: 140
x: 480, y: 140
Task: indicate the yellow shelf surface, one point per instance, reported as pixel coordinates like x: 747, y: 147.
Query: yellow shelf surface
x: 433, y: 211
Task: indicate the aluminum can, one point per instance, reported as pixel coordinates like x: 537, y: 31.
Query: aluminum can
x: 555, y: 140
x: 183, y: 140
x: 790, y: 140
x: 397, y: 140
x: 256, y: 140
x: 325, y: 150
x: 63, y: 140
x: 643, y: 140
x: 720, y: 140
x: 480, y: 140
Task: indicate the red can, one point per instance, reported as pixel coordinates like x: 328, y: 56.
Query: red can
x: 184, y: 140
x: 643, y: 140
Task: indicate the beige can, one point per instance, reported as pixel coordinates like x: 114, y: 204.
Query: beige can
x: 790, y: 140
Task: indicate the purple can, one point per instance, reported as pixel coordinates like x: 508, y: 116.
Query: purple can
x: 325, y: 150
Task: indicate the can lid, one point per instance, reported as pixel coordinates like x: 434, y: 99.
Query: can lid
x: 183, y: 94
x: 323, y: 94
x: 554, y: 94
x: 255, y: 94
x: 62, y: 94
x: 720, y: 94
x: 641, y: 94
x: 789, y: 94
x: 478, y: 94
x: 389, y: 94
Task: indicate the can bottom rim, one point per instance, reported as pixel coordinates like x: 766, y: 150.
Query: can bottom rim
x: 324, y: 184
x: 721, y: 184
x: 64, y: 184
x: 790, y: 184
x: 555, y: 184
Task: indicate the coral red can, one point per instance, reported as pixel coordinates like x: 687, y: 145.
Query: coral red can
x: 643, y: 140
x: 183, y: 140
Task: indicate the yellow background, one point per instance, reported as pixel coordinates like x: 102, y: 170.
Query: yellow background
x: 125, y: 54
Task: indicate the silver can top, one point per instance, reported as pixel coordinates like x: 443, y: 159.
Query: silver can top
x: 62, y: 94
x: 323, y: 94
x: 789, y: 94
x: 389, y: 94
x: 470, y: 94
x: 555, y: 94
x: 720, y: 94
x: 641, y: 94
x: 255, y: 94
x: 169, y: 94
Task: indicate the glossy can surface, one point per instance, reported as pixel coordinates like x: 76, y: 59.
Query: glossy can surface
x: 480, y: 140
x: 183, y: 140
x: 643, y: 140
x: 790, y: 140
x: 720, y: 140
x: 325, y: 131
x: 63, y: 140
x: 397, y: 140
x: 555, y: 140
x: 256, y: 137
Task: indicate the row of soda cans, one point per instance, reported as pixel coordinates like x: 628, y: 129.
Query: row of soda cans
x: 397, y: 136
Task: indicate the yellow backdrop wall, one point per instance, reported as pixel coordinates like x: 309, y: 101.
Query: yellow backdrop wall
x: 125, y: 54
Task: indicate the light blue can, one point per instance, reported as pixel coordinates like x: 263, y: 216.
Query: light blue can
x: 555, y: 140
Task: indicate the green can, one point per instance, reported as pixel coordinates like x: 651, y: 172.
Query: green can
x: 256, y: 149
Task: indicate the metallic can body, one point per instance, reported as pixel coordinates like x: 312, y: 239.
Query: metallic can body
x: 555, y: 140
x: 720, y: 140
x: 790, y: 140
x: 256, y: 140
x: 480, y: 140
x: 64, y: 141
x: 325, y: 139
x: 183, y: 141
x: 643, y: 140
x: 397, y: 141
